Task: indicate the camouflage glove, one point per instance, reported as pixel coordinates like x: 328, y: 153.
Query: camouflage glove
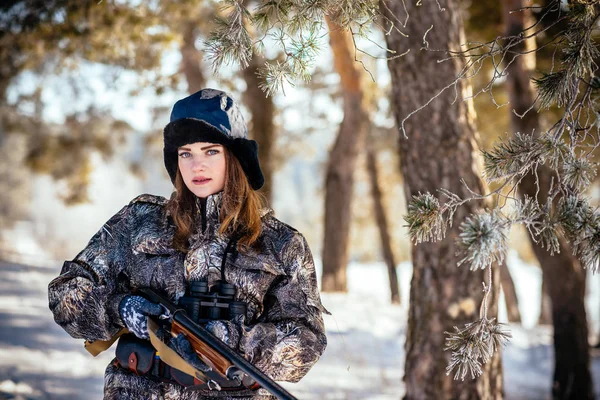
x: 183, y: 347
x: 134, y: 310
x: 229, y: 332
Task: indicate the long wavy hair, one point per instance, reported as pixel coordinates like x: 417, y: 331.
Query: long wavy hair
x: 239, y: 213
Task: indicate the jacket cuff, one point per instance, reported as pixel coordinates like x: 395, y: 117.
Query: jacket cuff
x: 257, y: 344
x: 112, y: 309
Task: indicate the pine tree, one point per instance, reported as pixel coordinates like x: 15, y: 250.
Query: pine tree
x: 438, y: 147
x: 566, y: 149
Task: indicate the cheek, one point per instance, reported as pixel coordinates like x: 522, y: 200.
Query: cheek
x: 222, y: 167
x: 184, y: 168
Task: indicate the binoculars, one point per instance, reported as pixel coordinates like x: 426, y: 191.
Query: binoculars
x: 205, y: 304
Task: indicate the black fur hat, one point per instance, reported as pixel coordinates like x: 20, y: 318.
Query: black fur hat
x: 211, y: 116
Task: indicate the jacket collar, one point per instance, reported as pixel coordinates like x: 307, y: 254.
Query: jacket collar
x: 157, y: 238
x: 208, y: 213
x: 207, y: 217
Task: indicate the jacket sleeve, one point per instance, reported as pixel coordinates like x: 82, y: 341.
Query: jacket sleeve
x: 290, y: 337
x: 85, y: 297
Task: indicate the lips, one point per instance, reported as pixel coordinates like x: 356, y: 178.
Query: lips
x: 200, y: 180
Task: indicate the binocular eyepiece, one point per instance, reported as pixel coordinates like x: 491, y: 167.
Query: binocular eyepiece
x: 205, y: 304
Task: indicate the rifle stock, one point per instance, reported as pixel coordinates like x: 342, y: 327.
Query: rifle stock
x: 210, y: 356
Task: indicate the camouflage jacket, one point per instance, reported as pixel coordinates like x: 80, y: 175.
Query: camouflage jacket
x: 283, y: 333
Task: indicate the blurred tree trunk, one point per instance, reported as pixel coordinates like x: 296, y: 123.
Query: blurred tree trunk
x: 545, y: 306
x: 440, y: 150
x: 510, y: 294
x: 191, y: 58
x: 382, y: 224
x: 562, y: 273
x: 339, y: 181
x: 262, y: 126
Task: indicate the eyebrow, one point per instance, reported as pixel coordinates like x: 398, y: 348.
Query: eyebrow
x: 202, y: 148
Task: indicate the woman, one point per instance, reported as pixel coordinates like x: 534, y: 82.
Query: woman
x: 213, y: 229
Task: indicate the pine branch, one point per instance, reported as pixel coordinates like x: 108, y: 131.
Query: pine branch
x: 483, y: 239
x: 293, y: 26
x: 473, y: 346
x: 526, y: 211
x: 555, y: 151
x: 275, y: 77
x: 555, y: 88
x: 425, y: 219
x: 511, y: 157
x: 230, y: 42
x: 575, y: 216
x: 548, y: 234
x: 580, y: 53
x: 579, y: 173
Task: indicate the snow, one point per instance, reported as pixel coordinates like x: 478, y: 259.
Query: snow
x: 364, y: 358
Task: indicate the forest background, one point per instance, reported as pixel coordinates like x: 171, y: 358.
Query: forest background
x: 86, y: 88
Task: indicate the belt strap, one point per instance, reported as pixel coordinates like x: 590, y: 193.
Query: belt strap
x: 163, y: 374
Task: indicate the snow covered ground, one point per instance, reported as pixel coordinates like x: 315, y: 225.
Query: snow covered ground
x: 364, y: 358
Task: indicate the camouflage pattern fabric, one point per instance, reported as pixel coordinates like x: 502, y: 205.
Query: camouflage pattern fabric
x: 283, y: 332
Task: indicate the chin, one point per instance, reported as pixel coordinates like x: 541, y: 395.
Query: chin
x: 202, y: 191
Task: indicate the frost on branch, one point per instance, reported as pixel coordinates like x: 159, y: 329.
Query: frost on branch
x: 294, y: 27
x: 579, y: 173
x: 515, y: 155
x: 554, y: 88
x: 230, y: 41
x: 521, y: 153
x: 425, y: 219
x: 473, y: 346
x: 581, y: 225
x: 483, y: 239
x: 547, y: 234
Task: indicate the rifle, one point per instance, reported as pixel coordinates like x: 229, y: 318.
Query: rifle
x: 227, y: 363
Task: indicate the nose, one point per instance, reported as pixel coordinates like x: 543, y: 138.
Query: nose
x: 199, y: 165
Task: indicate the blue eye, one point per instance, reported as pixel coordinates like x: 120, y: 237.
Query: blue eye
x: 212, y: 152
x: 185, y: 154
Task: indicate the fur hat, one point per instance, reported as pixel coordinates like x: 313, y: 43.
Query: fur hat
x: 211, y: 116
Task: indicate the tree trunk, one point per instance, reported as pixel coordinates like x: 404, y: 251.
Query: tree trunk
x: 566, y: 285
x: 545, y: 306
x: 339, y: 181
x: 563, y: 274
x: 510, y: 294
x: 262, y: 125
x: 382, y: 225
x: 191, y: 58
x: 440, y: 151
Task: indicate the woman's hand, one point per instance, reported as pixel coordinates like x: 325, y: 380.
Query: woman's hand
x: 134, y: 310
x: 227, y: 331
x: 183, y: 347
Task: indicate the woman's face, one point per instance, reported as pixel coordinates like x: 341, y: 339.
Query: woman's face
x: 202, y: 166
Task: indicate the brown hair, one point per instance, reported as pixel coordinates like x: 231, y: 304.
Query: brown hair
x: 239, y: 213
